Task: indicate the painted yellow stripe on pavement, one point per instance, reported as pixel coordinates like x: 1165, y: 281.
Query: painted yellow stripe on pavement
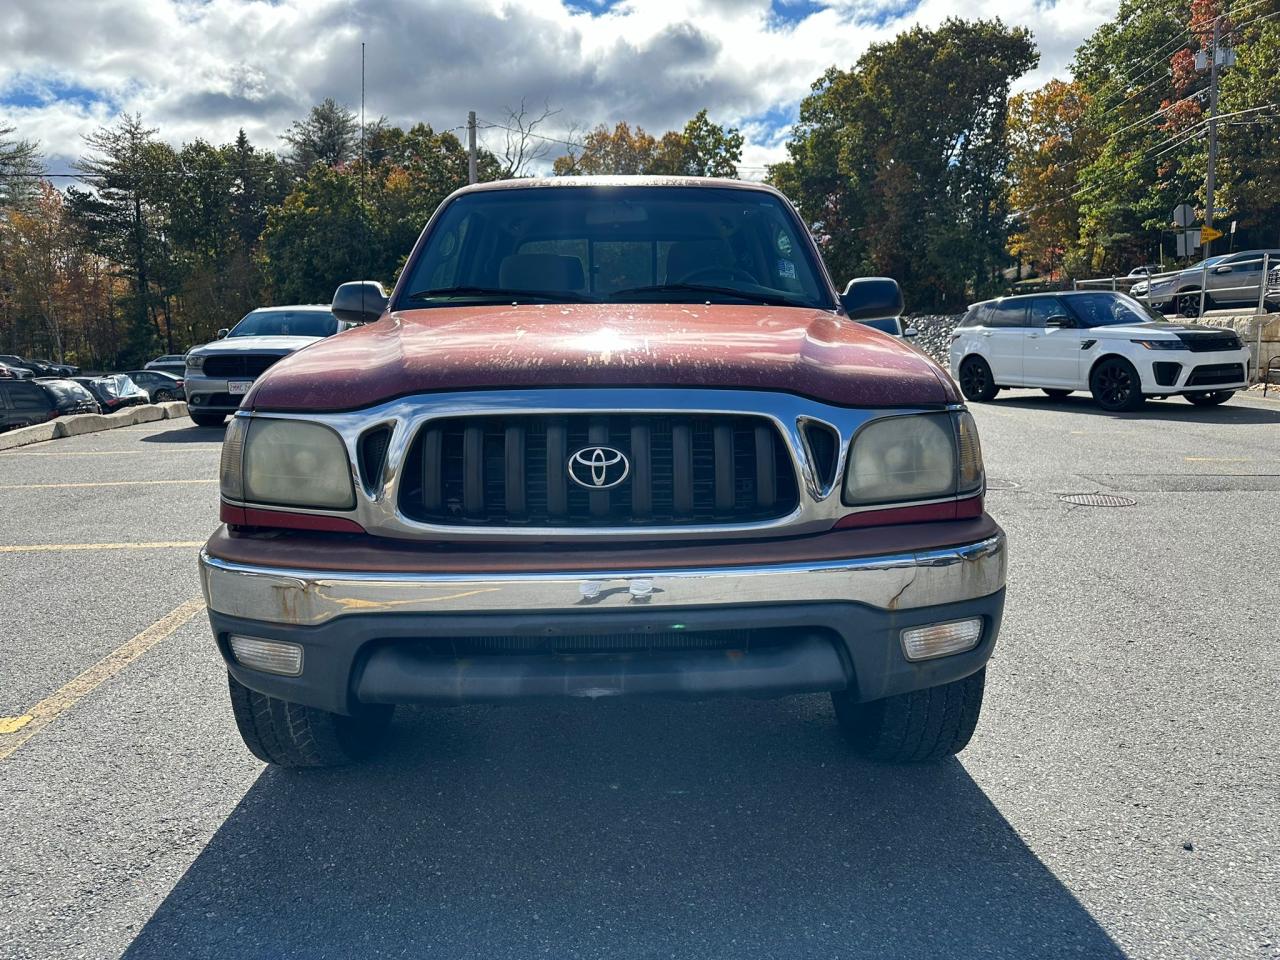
x: 98, y: 483
x: 55, y: 547
x: 18, y: 730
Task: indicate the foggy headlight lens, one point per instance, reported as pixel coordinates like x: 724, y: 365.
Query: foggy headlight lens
x: 195, y: 361
x: 902, y: 458
x: 298, y: 464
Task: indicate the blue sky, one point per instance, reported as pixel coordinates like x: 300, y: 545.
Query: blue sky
x: 204, y: 68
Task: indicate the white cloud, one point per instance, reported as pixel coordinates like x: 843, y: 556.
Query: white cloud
x: 204, y: 68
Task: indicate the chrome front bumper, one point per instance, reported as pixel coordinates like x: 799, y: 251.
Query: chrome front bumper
x: 892, y: 582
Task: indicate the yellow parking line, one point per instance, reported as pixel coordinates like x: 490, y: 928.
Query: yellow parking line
x: 99, y: 483
x: 1217, y: 459
x: 15, y: 731
x: 55, y: 547
x: 95, y: 453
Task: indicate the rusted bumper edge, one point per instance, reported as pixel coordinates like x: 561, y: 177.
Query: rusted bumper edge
x: 433, y: 637
x: 889, y: 582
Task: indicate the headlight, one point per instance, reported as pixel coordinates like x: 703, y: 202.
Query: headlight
x: 195, y: 361
x: 285, y: 462
x: 918, y: 457
x: 1160, y: 344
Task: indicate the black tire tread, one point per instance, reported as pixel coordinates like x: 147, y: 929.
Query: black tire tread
x: 293, y: 735
x: 913, y: 727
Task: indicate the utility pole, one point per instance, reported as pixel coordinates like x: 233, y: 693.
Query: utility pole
x: 471, y: 147
x: 1211, y: 178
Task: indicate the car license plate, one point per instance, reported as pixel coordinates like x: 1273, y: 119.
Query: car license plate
x: 238, y: 387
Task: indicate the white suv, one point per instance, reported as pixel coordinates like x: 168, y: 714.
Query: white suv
x: 1103, y: 342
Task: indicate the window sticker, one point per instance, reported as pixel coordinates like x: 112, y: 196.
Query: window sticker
x: 783, y: 242
x: 786, y: 269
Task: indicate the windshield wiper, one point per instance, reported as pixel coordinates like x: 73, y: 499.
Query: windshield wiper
x: 502, y: 294
x: 773, y: 299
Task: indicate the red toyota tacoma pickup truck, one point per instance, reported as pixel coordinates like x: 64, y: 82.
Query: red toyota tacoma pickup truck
x: 606, y: 437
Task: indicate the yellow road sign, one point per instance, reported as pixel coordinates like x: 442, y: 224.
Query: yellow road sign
x: 1209, y: 233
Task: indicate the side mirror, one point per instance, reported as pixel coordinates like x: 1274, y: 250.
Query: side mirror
x: 910, y: 332
x: 223, y: 332
x: 1059, y: 320
x: 361, y: 301
x: 872, y: 298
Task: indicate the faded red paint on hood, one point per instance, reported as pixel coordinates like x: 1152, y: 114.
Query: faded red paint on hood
x: 808, y: 352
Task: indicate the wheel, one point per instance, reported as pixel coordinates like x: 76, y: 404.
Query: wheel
x: 922, y: 725
x: 163, y: 396
x: 209, y: 419
x: 291, y: 735
x: 1188, y: 304
x: 1210, y: 398
x: 976, y: 381
x: 1057, y: 394
x: 1115, y: 385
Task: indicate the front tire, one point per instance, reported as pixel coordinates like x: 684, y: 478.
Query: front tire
x: 911, y: 727
x: 292, y: 735
x: 1115, y: 385
x: 209, y: 419
x: 163, y: 396
x: 1210, y: 398
x: 976, y: 380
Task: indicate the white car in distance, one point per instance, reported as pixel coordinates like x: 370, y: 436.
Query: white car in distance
x: 1100, y: 341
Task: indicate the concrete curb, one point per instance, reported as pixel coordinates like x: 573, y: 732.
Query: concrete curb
x: 82, y: 423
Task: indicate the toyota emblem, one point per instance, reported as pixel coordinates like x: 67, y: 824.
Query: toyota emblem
x: 599, y: 468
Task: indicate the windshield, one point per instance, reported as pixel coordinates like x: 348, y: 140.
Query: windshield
x: 1108, y: 309
x: 286, y: 323
x: 616, y: 245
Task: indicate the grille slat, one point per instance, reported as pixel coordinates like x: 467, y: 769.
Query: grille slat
x: 766, y: 467
x: 473, y: 470
x: 492, y: 470
x: 239, y: 364
x: 1209, y: 343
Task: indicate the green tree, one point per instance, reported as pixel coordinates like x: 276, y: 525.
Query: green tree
x: 330, y: 135
x: 900, y: 163
x: 122, y: 219
x: 20, y: 164
x: 316, y: 238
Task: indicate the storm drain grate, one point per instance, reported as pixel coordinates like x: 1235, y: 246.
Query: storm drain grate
x: 1096, y: 500
x: 993, y: 483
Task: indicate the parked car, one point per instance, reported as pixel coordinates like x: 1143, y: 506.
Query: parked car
x: 10, y: 373
x: 17, y: 366
x: 610, y: 437
x: 219, y: 374
x: 1273, y: 290
x: 894, y: 326
x: 53, y: 369
x: 69, y: 396
x: 1229, y: 279
x: 1145, y: 271
x: 160, y: 387
x: 24, y: 402
x: 174, y: 363
x: 1100, y: 341
x: 114, y: 392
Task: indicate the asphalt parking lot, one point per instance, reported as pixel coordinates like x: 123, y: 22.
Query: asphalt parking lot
x: 1121, y: 797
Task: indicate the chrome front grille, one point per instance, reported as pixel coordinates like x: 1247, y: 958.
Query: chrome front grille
x: 670, y: 469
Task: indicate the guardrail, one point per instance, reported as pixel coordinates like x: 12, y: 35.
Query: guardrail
x: 1191, y: 292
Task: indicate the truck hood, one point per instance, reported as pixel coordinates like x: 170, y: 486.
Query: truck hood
x: 279, y: 345
x: 809, y: 352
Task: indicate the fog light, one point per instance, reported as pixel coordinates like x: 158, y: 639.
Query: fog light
x: 941, y: 639
x: 269, y: 656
